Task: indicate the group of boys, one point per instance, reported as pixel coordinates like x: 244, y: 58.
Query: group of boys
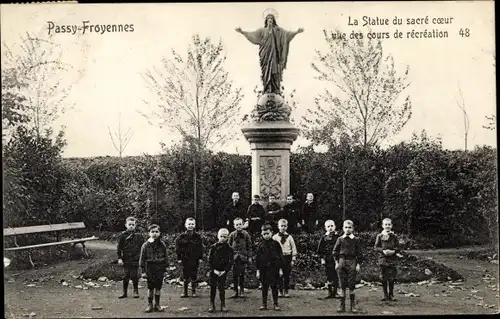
x: 255, y: 215
x: 341, y: 255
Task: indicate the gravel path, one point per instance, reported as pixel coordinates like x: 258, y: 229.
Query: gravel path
x: 50, y: 299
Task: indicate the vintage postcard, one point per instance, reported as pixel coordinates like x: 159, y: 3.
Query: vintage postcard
x: 196, y: 158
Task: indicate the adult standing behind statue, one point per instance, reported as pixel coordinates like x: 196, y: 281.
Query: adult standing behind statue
x: 291, y: 212
x: 255, y: 215
x: 233, y: 210
x: 274, y: 43
x: 274, y: 213
x: 309, y: 213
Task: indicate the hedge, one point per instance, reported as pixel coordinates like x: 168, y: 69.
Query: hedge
x: 428, y: 191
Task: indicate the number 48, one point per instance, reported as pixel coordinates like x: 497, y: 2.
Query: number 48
x: 464, y: 32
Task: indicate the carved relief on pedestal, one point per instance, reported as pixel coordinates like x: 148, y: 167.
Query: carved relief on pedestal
x: 270, y: 176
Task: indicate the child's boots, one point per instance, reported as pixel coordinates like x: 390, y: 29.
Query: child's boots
x: 212, y: 307
x: 264, y: 306
x: 342, y: 305
x: 193, y: 289
x: 136, y: 289
x: 157, y: 306
x: 391, y: 291
x: 149, y: 308
x: 330, y: 292
x: 386, y: 293
x: 334, y: 291
x: 223, y: 306
x: 125, y: 288
x: 185, y: 294
x: 353, y: 303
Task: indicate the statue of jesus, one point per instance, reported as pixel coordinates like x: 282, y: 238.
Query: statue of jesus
x: 273, y: 43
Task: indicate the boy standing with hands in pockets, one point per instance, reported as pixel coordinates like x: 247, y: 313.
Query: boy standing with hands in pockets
x: 348, y: 256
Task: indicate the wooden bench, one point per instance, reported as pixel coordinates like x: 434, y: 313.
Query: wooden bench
x: 57, y: 228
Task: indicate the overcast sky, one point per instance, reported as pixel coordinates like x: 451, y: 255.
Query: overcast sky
x: 113, y: 62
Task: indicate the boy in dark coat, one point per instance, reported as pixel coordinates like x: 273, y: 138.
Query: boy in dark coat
x: 129, y: 252
x: 325, y: 252
x: 291, y: 212
x: 234, y: 210
x: 387, y: 245
x: 220, y: 260
x: 273, y: 213
x: 269, y: 262
x: 189, y: 249
x: 255, y: 215
x: 241, y: 243
x: 348, y: 256
x: 153, y: 264
x: 309, y: 214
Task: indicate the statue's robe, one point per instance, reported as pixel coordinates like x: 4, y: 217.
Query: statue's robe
x: 274, y: 43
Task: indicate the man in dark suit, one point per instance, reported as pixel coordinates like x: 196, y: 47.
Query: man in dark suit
x: 234, y: 210
x: 309, y: 214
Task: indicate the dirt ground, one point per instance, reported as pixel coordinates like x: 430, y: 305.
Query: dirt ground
x: 47, y: 297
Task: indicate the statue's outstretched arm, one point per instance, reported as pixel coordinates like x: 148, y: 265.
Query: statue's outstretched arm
x: 254, y: 37
x: 292, y: 34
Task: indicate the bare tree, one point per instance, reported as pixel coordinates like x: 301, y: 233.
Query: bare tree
x: 194, y: 97
x: 366, y: 105
x: 120, y: 140
x: 466, y: 119
x: 36, y: 82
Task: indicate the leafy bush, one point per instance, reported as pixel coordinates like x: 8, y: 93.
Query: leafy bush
x: 33, y: 177
x: 429, y: 192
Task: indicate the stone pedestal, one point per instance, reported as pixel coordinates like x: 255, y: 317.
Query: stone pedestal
x: 270, y: 143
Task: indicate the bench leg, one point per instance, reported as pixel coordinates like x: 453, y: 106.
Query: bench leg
x: 31, y: 260
x: 85, y: 249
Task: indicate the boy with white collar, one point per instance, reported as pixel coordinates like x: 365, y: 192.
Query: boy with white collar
x: 289, y: 255
x: 387, y: 244
x: 348, y: 256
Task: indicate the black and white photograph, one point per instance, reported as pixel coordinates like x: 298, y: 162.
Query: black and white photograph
x: 249, y: 159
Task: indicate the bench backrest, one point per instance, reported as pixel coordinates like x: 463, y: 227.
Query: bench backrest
x: 42, y: 228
